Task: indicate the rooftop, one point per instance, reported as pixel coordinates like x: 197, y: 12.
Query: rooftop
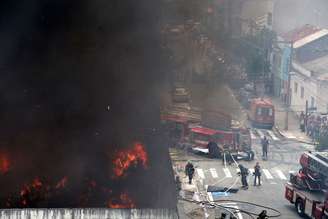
x: 300, y: 33
x: 262, y: 101
x: 310, y: 38
x: 318, y: 67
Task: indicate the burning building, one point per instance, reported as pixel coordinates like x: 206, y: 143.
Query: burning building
x: 80, y: 106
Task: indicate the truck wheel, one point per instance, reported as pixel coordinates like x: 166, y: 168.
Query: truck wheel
x: 300, y: 207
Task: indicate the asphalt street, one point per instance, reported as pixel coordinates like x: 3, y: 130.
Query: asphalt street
x: 283, y: 159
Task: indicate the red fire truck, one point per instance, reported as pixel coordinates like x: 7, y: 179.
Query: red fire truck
x: 178, y: 120
x: 307, y: 189
x: 237, y: 139
x: 261, y: 113
x: 195, y: 129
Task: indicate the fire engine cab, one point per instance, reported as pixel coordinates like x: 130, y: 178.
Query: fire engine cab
x: 307, y: 189
x: 237, y: 140
x: 261, y: 113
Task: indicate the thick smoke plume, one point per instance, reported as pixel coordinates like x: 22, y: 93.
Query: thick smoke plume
x: 79, y: 82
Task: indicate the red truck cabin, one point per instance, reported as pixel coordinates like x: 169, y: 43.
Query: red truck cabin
x: 262, y: 113
x: 200, y: 136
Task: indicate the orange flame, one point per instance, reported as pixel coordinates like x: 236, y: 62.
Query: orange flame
x: 62, y: 183
x: 36, y: 183
x: 128, y: 157
x: 4, y: 164
x: 124, y: 202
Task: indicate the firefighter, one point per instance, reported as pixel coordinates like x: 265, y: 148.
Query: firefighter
x: 257, y: 173
x: 243, y: 173
x: 263, y: 215
x: 190, y: 170
x: 265, y: 145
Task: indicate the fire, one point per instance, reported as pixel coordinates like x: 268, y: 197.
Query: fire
x: 124, y: 202
x: 62, y: 183
x: 36, y: 183
x: 37, y: 190
x: 4, y: 164
x: 126, y: 158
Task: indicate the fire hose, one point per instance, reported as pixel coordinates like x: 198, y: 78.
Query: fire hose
x: 249, y: 213
x: 234, y: 209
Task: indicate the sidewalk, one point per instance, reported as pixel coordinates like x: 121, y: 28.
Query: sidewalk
x: 293, y: 131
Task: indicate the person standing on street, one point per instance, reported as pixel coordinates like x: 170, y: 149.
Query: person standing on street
x: 257, y: 173
x: 265, y: 145
x: 190, y: 170
x: 244, y: 174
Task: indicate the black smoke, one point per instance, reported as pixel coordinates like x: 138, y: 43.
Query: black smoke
x: 79, y: 81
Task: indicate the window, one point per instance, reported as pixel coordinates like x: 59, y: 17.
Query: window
x: 264, y: 111
x: 259, y: 111
x: 295, y: 87
x: 302, y: 92
x: 312, y: 102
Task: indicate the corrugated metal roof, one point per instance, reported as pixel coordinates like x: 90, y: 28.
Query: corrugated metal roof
x: 310, y: 38
x: 88, y: 213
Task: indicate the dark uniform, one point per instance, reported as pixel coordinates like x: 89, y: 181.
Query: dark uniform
x: 244, y: 174
x: 190, y: 170
x: 265, y: 144
x: 257, y: 173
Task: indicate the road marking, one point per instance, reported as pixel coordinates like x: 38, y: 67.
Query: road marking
x: 237, y: 170
x: 227, y: 172
x: 210, y: 196
x: 272, y: 135
x: 260, y: 133
x: 288, y: 135
x: 196, y: 197
x: 240, y: 216
x: 251, y: 171
x: 281, y: 175
x: 200, y: 173
x: 214, y: 173
x: 252, y: 135
x: 267, y: 174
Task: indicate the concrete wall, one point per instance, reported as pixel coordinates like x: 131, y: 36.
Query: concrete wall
x: 310, y: 90
x: 322, y: 102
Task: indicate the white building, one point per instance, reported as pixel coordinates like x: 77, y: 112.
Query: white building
x: 309, y: 75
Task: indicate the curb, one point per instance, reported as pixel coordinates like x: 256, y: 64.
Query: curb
x: 280, y: 133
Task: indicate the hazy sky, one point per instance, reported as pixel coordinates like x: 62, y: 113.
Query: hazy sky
x: 290, y: 14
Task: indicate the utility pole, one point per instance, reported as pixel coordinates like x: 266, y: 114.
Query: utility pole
x: 288, y: 101
x: 306, y: 113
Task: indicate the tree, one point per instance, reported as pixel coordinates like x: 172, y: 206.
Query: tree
x: 255, y: 51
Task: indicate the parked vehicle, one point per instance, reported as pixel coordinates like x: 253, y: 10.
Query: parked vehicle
x: 236, y: 140
x: 195, y: 129
x: 307, y: 189
x: 178, y: 120
x: 262, y: 113
x: 313, y: 205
